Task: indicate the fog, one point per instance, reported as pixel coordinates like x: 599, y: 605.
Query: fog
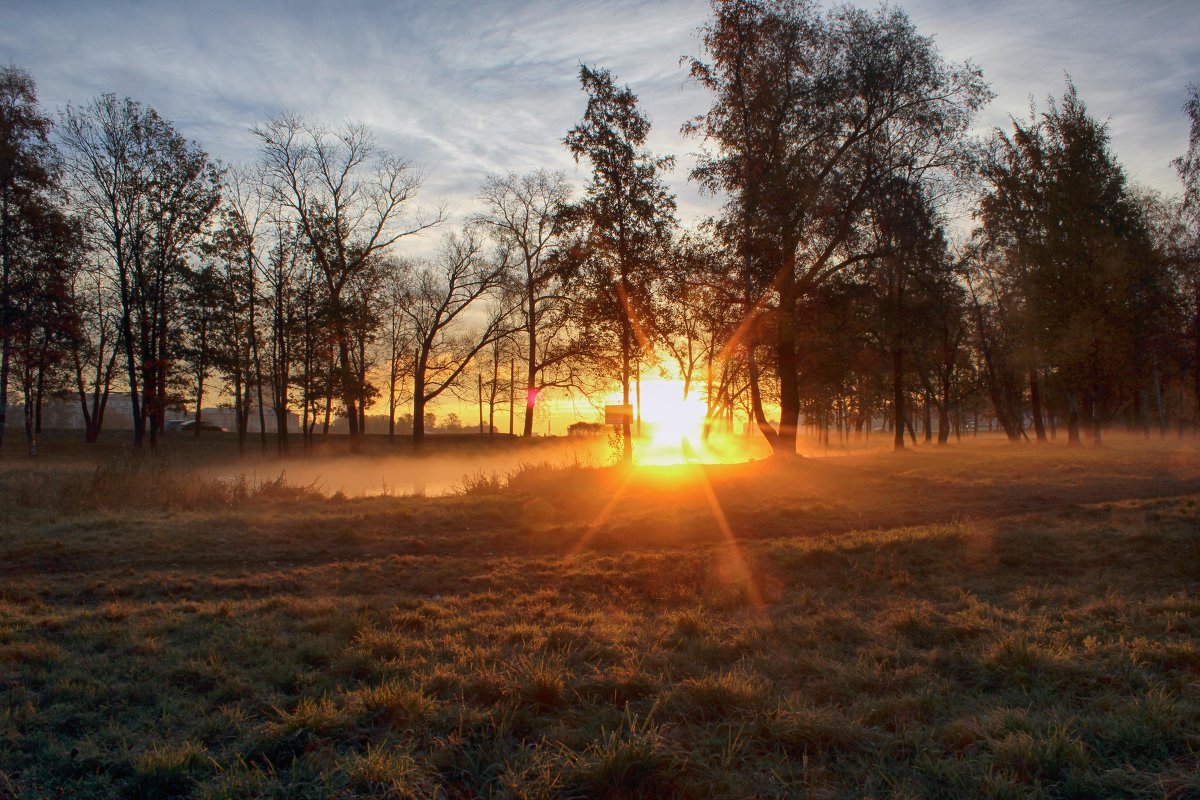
x: 438, y: 473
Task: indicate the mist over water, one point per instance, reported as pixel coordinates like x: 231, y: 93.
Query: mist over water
x: 435, y: 474
x: 448, y: 469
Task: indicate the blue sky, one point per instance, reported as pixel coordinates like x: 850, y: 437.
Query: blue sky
x: 465, y: 89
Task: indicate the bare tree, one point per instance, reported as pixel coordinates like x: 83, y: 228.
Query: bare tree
x: 524, y: 211
x: 441, y: 295
x: 248, y: 208
x: 95, y: 358
x: 397, y: 336
x: 147, y: 194
x: 351, y: 201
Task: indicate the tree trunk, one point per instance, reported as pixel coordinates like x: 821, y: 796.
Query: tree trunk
x: 1073, y: 420
x: 349, y: 394
x: 944, y: 413
x: 789, y: 378
x: 899, y: 413
x: 38, y: 397
x: 531, y: 391
x: 239, y: 409
x: 626, y: 431
x: 328, y: 396
x: 756, y: 406
x: 418, y: 423
x: 139, y: 424
x: 1035, y: 401
x: 637, y: 383
x: 199, y: 403
x: 5, y: 313
x: 927, y: 420
x: 30, y: 429
x: 393, y: 380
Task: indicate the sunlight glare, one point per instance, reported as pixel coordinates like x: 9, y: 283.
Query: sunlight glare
x: 673, y: 428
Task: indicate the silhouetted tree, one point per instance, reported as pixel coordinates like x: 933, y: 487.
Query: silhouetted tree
x: 44, y: 327
x: 812, y: 113
x: 28, y: 173
x: 1076, y: 258
x: 284, y: 266
x: 397, y: 336
x: 351, y: 201
x: 1187, y: 238
x: 203, y: 305
x: 146, y: 194
x: 625, y: 220
x: 441, y: 294
x: 524, y: 212
x: 94, y: 359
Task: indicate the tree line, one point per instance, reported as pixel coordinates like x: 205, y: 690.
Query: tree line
x: 871, y: 259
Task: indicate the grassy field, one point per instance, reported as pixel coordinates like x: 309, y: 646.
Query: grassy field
x: 975, y: 621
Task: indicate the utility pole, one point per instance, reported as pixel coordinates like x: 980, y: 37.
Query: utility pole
x: 638, y: 384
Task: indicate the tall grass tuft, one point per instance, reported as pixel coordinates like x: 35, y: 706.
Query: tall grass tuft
x: 166, y: 771
x: 636, y: 760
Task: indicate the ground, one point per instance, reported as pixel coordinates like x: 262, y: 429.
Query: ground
x: 980, y: 620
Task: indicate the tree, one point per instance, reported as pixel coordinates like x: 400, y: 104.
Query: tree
x: 812, y: 113
x: 27, y: 174
x: 203, y: 308
x: 44, y: 326
x: 440, y: 297
x: 94, y: 359
x: 1188, y: 165
x: 625, y: 220
x: 247, y: 209
x: 524, y: 213
x: 397, y: 337
x: 1074, y: 250
x: 350, y: 199
x: 911, y: 245
x: 147, y: 194
x: 1187, y: 237
x: 284, y: 267
x: 696, y: 310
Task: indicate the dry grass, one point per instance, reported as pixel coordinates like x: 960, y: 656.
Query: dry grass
x: 983, y: 622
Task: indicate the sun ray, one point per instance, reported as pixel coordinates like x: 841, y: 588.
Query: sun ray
x: 634, y: 318
x: 740, y: 567
x: 751, y: 315
x: 590, y: 531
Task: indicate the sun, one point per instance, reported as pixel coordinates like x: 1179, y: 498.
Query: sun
x: 673, y: 427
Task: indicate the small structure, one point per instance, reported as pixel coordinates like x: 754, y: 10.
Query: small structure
x: 618, y: 414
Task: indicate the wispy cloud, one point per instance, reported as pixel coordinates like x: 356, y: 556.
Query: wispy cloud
x: 467, y: 88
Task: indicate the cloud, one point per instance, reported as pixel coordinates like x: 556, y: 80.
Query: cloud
x: 468, y: 88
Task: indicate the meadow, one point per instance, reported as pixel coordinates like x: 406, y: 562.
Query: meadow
x: 979, y: 620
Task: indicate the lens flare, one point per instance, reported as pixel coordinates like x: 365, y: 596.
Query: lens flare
x: 672, y: 428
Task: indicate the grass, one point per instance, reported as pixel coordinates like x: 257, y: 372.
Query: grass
x: 981, y: 622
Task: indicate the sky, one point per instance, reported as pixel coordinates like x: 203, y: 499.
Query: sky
x: 464, y: 89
